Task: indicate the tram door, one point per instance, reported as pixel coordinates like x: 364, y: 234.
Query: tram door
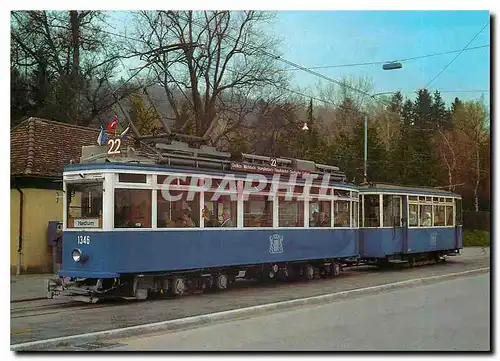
x: 458, y: 224
x: 393, y: 206
x: 404, y: 223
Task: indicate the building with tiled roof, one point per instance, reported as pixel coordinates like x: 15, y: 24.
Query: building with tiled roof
x: 39, y: 151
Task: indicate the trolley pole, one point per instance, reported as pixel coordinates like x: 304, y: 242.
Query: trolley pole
x: 365, y: 177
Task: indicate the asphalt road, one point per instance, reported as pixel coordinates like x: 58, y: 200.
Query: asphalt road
x: 65, y: 321
x: 452, y: 315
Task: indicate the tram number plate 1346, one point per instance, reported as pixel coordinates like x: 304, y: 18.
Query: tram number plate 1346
x: 83, y: 239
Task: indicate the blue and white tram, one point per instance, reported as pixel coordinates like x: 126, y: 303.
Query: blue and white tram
x: 132, y: 230
x: 407, y: 224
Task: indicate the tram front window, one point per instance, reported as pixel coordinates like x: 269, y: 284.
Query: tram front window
x: 84, y: 205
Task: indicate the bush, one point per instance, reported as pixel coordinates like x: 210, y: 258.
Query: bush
x: 476, y: 238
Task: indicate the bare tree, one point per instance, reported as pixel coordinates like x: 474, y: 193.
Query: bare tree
x: 447, y: 152
x: 220, y: 68
x: 70, y: 55
x: 471, y: 119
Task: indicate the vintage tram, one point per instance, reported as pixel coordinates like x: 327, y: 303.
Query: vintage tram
x: 186, y: 219
x: 196, y: 218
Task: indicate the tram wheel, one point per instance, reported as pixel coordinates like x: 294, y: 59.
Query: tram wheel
x: 336, y: 269
x: 178, y: 286
x: 222, y: 282
x: 309, y: 272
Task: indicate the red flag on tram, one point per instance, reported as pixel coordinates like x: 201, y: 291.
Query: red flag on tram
x: 114, y: 123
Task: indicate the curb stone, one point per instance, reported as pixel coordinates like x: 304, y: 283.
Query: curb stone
x: 200, y: 320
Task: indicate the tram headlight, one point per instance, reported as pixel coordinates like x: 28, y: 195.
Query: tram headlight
x: 76, y: 254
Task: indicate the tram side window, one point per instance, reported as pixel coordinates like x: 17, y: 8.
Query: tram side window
x: 320, y: 214
x: 177, y: 208
x: 132, y: 208
x: 84, y: 205
x: 439, y: 219
x: 425, y: 215
x: 132, y: 178
x: 290, y: 213
x: 342, y: 213
x: 449, y: 215
x: 413, y: 215
x: 372, y: 210
x: 355, y: 214
x: 392, y: 211
x: 220, y: 210
x: 458, y: 210
x: 258, y: 211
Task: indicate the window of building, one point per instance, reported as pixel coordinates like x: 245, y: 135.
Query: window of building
x: 425, y: 215
x: 132, y: 178
x: 290, y: 213
x: 178, y: 209
x: 439, y: 216
x: 320, y: 214
x: 258, y: 211
x: 84, y: 205
x: 413, y: 215
x: 372, y: 211
x: 132, y: 208
x: 449, y: 215
x: 342, y: 214
x: 221, y: 211
x: 392, y: 211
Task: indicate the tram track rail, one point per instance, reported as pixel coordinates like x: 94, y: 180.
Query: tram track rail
x: 62, y: 305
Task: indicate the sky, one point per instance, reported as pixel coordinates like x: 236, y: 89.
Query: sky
x: 322, y: 38
x: 332, y: 38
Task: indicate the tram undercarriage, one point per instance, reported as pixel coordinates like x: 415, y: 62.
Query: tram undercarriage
x: 142, y: 287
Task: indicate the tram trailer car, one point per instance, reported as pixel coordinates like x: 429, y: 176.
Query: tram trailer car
x: 120, y: 239
x: 409, y: 225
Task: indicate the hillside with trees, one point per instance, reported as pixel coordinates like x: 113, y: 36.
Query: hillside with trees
x: 218, y: 75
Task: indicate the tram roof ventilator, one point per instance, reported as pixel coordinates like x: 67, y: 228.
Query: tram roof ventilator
x: 181, y: 154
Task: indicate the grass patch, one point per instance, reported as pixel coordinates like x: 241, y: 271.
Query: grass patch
x: 475, y: 238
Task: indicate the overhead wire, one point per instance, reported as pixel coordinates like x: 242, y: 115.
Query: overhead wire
x: 343, y: 84
x: 402, y: 60
x: 455, y: 58
x: 311, y: 71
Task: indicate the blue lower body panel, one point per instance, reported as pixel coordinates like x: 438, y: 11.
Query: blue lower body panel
x: 77, y: 274
x: 383, y: 242
x: 131, y: 252
x: 380, y: 242
x: 422, y: 240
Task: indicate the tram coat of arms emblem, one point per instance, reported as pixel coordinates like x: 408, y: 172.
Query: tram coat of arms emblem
x: 275, y: 244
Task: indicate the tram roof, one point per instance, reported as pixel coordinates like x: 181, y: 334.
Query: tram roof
x: 393, y: 188
x: 110, y: 166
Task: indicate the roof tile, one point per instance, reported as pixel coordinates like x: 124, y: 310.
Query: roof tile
x: 42, y: 147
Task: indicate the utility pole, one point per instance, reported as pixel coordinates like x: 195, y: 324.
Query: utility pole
x: 365, y: 176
